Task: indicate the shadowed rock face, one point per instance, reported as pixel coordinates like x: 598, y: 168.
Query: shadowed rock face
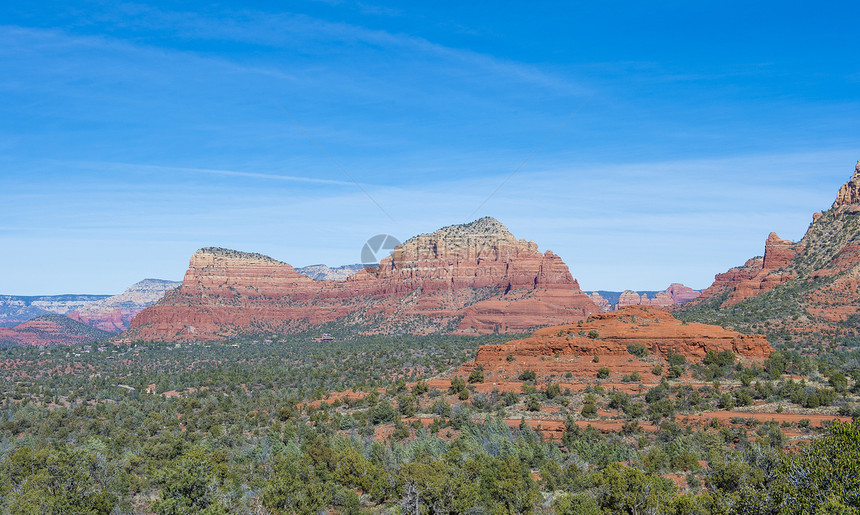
x: 471, y: 278
x: 820, y: 273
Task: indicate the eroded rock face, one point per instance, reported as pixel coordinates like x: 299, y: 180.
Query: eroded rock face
x: 471, y: 278
x: 572, y: 347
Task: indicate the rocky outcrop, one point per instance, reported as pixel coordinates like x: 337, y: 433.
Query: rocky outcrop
x: 849, y: 193
x: 601, y: 302
x: 603, y: 340
x: 778, y: 254
x: 50, y: 330
x: 727, y: 282
x: 471, y: 278
x: 681, y: 294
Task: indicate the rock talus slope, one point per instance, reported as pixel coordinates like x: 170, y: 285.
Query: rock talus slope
x: 470, y: 278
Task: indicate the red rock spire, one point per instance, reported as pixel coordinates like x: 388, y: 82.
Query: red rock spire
x: 849, y: 193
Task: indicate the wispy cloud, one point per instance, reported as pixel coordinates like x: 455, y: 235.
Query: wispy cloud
x: 291, y: 30
x: 226, y: 173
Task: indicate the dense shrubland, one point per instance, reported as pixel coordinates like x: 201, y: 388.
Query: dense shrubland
x: 240, y: 428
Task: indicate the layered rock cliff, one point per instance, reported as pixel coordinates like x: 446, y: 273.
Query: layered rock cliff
x: 470, y: 278
x: 811, y: 287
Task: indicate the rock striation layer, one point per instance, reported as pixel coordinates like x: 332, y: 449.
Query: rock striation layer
x: 471, y: 278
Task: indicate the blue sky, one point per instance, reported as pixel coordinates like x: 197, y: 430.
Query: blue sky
x: 648, y: 144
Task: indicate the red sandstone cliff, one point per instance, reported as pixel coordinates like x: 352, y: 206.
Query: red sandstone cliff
x: 472, y: 278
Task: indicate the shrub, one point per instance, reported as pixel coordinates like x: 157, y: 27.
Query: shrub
x: 420, y: 388
x: 383, y: 412
x: 743, y: 397
x: 637, y: 349
x: 441, y: 408
x: 589, y: 410
x: 457, y: 385
x: 576, y: 504
x: 675, y: 372
x: 603, y: 373
x: 477, y: 375
x: 552, y: 391
x: 725, y: 358
x: 406, y: 405
x: 528, y: 375
x: 838, y: 381
x: 676, y: 360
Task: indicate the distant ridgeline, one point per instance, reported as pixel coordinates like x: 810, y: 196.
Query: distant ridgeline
x: 15, y: 309
x: 474, y: 278
x: 108, y: 314
x: 676, y: 293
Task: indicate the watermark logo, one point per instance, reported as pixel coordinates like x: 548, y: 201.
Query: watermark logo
x: 376, y: 248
